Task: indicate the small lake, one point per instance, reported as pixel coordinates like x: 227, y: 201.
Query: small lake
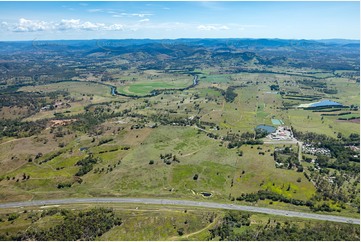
x: 206, y: 194
x: 268, y: 129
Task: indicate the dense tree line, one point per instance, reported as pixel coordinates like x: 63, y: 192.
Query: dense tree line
x: 88, y: 120
x: 293, y: 232
x: 344, y: 156
x: 286, y: 158
x: 262, y: 195
x: 86, y: 165
x: 15, y: 128
x: 83, y: 225
x: 236, y: 140
x: 232, y: 219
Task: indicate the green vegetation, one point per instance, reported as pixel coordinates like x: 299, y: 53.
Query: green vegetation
x: 151, y: 222
x: 133, y: 125
x: 236, y: 227
x: 144, y: 88
x: 74, y: 226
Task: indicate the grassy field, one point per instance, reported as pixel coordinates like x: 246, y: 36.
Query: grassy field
x: 205, y: 164
x: 145, y: 87
x: 215, y: 165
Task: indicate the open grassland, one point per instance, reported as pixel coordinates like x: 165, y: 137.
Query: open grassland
x: 142, y: 83
x: 308, y: 121
x: 131, y: 163
x: 348, y: 92
x: 215, y: 165
x: 145, y: 88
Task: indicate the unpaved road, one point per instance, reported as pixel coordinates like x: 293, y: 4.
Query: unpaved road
x: 182, y: 203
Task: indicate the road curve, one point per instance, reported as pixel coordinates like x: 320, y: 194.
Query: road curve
x: 182, y: 203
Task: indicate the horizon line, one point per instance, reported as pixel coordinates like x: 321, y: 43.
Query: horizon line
x: 193, y: 38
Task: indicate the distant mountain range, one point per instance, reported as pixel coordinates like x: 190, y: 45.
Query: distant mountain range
x: 232, y: 43
x: 331, y: 54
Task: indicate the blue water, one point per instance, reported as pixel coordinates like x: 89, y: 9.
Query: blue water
x: 325, y: 103
x: 269, y: 129
x: 112, y: 90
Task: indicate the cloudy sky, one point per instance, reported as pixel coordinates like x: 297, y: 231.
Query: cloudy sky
x: 158, y: 20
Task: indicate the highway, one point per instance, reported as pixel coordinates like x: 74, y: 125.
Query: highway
x: 181, y: 203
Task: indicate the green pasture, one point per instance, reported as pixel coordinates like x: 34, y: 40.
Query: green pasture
x: 145, y: 87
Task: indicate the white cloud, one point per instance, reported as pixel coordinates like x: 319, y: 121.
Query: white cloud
x: 26, y: 25
x: 77, y: 24
x: 91, y: 26
x: 144, y: 20
x: 114, y: 27
x: 66, y: 24
x: 210, y: 27
x: 95, y: 10
x: 140, y: 15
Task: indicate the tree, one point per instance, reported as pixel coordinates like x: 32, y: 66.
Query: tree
x: 180, y: 231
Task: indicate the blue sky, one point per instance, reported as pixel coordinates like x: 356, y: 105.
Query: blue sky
x: 158, y: 20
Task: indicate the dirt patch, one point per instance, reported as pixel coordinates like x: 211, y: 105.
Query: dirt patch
x: 56, y: 123
x: 136, y: 136
x: 7, y: 194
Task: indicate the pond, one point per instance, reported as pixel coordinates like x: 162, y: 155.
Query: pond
x: 267, y: 128
x: 112, y: 91
x: 206, y: 194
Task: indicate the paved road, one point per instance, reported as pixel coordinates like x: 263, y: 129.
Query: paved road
x: 182, y: 203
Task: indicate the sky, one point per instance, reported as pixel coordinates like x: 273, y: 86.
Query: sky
x: 171, y: 20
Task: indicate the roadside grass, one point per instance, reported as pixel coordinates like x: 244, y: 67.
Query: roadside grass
x: 212, y: 177
x: 139, y: 224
